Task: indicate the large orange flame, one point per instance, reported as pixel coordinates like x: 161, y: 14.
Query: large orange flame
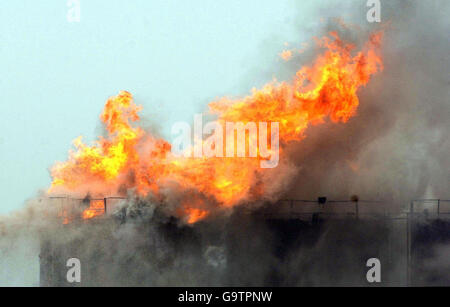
x: 129, y: 157
x: 96, y: 208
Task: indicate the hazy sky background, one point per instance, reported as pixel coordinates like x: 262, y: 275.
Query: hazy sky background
x: 174, y: 56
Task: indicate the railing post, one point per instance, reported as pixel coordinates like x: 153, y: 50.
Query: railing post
x: 409, y: 216
x: 407, y: 250
x: 104, y: 203
x: 438, y: 207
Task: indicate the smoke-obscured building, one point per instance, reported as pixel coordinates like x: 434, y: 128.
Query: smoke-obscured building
x: 295, y: 243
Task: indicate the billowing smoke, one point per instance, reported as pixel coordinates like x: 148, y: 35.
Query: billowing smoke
x: 395, y: 149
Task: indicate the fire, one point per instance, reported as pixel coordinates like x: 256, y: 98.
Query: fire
x: 131, y: 158
x: 66, y: 218
x: 325, y: 89
x: 286, y: 55
x: 195, y: 215
x: 96, y: 208
x: 107, y: 157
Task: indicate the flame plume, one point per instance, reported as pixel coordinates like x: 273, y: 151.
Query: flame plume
x: 130, y: 157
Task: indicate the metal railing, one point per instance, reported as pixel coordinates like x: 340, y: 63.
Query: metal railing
x: 426, y: 204
x: 413, y: 214
x: 70, y: 209
x: 418, y: 208
x: 296, y: 208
